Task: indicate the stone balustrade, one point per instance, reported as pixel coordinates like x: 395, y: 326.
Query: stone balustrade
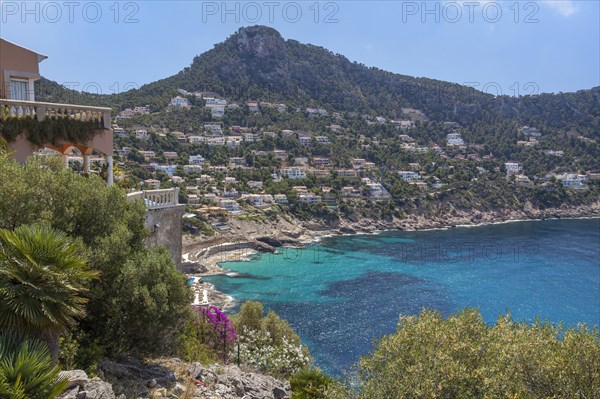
x: 156, y: 199
x: 41, y: 111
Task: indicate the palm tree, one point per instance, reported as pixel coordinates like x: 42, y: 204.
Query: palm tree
x: 42, y: 279
x: 27, y: 370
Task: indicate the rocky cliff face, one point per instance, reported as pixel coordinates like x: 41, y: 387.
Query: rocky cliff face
x: 260, y: 41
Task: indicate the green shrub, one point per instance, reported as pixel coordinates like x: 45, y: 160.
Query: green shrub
x: 310, y: 383
x: 27, y: 370
x: 148, y: 306
x: 278, y: 329
x: 69, y: 347
x: 139, y: 303
x: 463, y: 357
x: 49, y: 131
x: 269, y: 343
x: 249, y: 316
x: 191, y: 347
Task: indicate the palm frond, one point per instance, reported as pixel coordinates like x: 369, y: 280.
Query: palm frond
x: 43, y: 276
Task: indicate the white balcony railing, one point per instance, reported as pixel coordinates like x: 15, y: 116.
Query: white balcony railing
x: 156, y: 199
x: 41, y: 111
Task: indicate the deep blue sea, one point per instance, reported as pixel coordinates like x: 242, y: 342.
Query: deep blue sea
x: 344, y: 292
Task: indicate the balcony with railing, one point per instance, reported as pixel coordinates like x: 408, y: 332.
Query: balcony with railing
x: 31, y: 125
x: 41, y: 111
x: 156, y: 199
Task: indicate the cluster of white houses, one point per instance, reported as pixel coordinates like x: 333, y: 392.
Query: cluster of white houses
x: 571, y: 180
x: 129, y: 112
x: 300, y: 167
x: 233, y: 194
x: 319, y: 166
x: 219, y: 106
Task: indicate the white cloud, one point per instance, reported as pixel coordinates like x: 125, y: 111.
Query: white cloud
x: 566, y: 8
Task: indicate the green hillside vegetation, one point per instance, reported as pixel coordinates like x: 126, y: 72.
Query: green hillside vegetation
x: 140, y: 300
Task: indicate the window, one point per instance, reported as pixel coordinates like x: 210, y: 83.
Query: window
x: 18, y: 89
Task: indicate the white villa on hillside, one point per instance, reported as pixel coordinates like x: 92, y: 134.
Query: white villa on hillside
x: 305, y: 141
x: 229, y: 205
x: 214, y: 128
x: 119, y: 131
x: 180, y: 102
x: 309, y: 198
x: 376, y: 190
x: 358, y: 163
x: 255, y: 200
x: 253, y: 106
x: 293, y: 172
x: 512, y: 168
x: 573, y: 180
x: 280, y: 199
x: 192, y: 168
x: 152, y: 183
x: 455, y: 139
x: 168, y: 169
x: 216, y: 106
x: 141, y: 134
x: 530, y: 131
x: 216, y: 140
x: 409, y: 175
x: 255, y: 184
x: 148, y: 155
x: 196, y: 160
x: 280, y: 154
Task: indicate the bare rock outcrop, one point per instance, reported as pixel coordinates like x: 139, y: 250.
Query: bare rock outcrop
x: 173, y: 378
x: 230, y: 382
x: 82, y: 387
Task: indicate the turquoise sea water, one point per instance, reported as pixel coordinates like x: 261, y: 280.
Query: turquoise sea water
x: 345, y: 292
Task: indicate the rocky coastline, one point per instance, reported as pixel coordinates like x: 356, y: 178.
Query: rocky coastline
x: 204, y: 257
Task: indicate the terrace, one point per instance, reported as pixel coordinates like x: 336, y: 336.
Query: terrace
x: 28, y: 125
x: 157, y: 199
x: 90, y: 130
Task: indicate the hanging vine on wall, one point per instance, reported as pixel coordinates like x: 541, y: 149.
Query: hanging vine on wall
x: 50, y: 130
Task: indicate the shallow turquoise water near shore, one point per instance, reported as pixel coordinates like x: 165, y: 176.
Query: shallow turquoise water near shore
x: 344, y: 292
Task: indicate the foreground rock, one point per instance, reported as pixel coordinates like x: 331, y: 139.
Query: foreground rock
x: 172, y: 378
x: 82, y: 387
x: 230, y: 382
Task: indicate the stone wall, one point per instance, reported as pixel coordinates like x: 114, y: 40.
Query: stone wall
x: 166, y: 228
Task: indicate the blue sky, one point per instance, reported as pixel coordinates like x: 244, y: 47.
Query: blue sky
x: 510, y: 47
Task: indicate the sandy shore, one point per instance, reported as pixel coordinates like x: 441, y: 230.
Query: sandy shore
x: 210, y: 265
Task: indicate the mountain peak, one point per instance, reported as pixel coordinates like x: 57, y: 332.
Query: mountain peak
x: 260, y: 41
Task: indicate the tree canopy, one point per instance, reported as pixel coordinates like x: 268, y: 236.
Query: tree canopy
x: 461, y: 356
